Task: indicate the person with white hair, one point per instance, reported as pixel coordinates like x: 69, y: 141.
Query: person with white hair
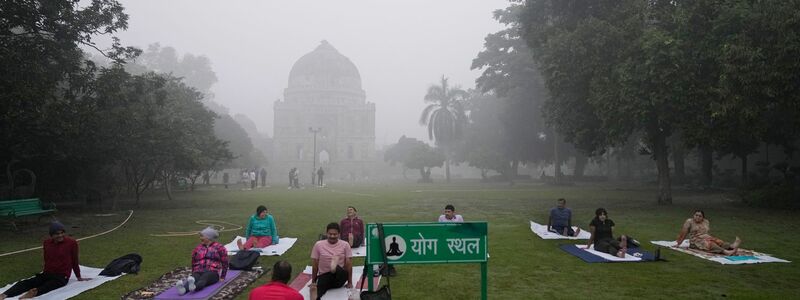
x: 209, y: 263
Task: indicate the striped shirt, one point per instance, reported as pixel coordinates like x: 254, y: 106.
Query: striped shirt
x: 213, y: 257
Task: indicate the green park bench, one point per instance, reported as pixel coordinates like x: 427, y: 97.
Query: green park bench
x: 13, y: 209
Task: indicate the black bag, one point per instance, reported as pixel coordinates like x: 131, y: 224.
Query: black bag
x: 385, y: 292
x: 128, y: 263
x: 244, y: 260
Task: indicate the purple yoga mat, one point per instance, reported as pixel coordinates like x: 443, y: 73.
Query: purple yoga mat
x: 205, y: 293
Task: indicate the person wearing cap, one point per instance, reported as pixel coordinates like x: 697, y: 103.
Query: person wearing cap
x: 60, y: 261
x: 261, y: 231
x: 209, y: 263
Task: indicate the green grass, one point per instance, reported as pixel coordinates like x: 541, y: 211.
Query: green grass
x: 521, y: 266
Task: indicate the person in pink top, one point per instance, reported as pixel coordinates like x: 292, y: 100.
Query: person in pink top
x: 277, y: 288
x: 450, y: 215
x: 331, y: 263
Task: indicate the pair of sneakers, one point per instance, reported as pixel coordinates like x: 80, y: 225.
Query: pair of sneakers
x: 185, y: 285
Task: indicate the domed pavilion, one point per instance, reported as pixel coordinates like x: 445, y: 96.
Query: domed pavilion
x: 324, y: 95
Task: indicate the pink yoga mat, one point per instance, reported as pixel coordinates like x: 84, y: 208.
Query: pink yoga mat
x: 206, y: 293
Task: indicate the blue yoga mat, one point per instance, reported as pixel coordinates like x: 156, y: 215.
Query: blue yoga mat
x: 591, y: 258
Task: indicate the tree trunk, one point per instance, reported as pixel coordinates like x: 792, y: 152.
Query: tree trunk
x: 680, y: 167
x: 556, y: 160
x: 167, y: 186
x: 662, y: 162
x: 447, y: 169
x: 580, y: 165
x: 514, y: 169
x: 744, y: 169
x: 707, y: 164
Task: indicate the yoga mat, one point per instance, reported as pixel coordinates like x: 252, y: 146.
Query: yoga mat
x: 279, y: 249
x: 206, y: 293
x: 541, y: 231
x: 361, y: 251
x: 73, y: 287
x: 593, y: 256
x: 757, y: 257
x: 300, y: 283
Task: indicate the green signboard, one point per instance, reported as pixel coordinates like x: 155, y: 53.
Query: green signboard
x: 421, y: 243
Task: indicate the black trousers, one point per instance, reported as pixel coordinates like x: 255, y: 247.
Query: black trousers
x: 43, y: 282
x: 204, y: 279
x: 609, y: 246
x: 331, y: 280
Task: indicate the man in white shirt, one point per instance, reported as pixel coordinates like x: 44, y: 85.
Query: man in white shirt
x: 450, y: 215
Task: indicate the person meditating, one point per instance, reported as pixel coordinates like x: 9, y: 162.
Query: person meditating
x: 261, y: 231
x: 602, y: 237
x: 394, y: 248
x: 696, y: 230
x: 209, y: 263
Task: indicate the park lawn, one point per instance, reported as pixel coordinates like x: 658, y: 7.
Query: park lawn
x: 521, y: 266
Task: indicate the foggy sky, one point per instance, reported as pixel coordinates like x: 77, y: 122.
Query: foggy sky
x: 400, y: 47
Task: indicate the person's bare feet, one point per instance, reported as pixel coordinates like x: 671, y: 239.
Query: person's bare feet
x: 623, y: 243
x: 239, y: 244
x: 577, y: 231
x: 30, y: 294
x: 334, y: 262
x: 736, y: 243
x: 2, y: 296
x: 312, y: 291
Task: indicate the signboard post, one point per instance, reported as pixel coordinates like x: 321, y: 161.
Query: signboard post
x: 430, y: 243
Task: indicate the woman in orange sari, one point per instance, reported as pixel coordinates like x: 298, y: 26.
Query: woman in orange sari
x: 696, y: 230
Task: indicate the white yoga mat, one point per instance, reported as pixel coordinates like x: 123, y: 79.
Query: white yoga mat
x: 73, y: 287
x: 757, y: 258
x: 361, y: 251
x: 341, y: 293
x: 283, y: 245
x: 541, y: 231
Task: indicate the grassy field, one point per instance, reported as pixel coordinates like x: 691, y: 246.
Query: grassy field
x: 522, y: 266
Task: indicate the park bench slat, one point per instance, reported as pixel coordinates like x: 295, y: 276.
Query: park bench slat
x: 24, y: 207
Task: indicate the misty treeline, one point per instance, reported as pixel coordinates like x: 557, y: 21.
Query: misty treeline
x: 603, y: 79
x: 75, y: 126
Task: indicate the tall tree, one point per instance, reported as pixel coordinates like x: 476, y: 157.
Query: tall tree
x: 444, y: 117
x: 510, y: 73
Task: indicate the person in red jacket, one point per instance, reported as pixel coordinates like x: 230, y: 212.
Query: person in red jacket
x: 277, y: 288
x: 60, y: 261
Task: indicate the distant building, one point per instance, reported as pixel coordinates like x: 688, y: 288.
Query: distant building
x: 325, y: 92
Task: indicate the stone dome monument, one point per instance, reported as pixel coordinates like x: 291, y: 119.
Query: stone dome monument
x: 324, y: 94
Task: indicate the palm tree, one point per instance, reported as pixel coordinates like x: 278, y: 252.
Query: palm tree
x: 444, y: 117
